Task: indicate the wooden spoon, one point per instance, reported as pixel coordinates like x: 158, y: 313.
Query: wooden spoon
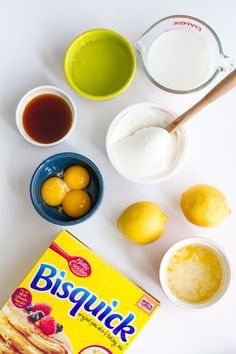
x: 219, y: 90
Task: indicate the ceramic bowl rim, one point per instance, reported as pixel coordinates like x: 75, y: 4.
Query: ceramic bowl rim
x: 116, y: 92
x: 203, y: 241
x: 37, y: 91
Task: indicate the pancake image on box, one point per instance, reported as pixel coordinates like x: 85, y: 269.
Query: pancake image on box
x: 31, y: 331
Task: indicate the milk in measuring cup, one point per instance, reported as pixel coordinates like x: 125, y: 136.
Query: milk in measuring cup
x: 180, y: 60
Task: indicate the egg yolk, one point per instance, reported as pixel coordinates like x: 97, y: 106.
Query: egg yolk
x: 76, y: 177
x: 76, y: 203
x: 53, y: 191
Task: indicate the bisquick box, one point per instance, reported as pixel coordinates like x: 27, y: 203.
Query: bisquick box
x: 73, y: 302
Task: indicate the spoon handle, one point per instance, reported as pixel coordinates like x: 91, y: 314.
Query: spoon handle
x: 60, y: 251
x: 219, y: 90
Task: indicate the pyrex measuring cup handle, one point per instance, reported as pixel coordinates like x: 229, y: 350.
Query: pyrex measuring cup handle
x: 219, y: 90
x: 58, y: 250
x: 227, y: 63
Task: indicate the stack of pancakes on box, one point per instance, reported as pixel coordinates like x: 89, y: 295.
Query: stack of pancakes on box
x: 19, y: 335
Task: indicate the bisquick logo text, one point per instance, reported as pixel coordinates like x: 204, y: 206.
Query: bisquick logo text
x: 49, y: 279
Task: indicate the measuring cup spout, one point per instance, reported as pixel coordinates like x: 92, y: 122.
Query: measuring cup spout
x: 139, y: 46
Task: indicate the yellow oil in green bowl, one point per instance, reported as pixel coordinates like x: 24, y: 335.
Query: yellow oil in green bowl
x: 99, y: 64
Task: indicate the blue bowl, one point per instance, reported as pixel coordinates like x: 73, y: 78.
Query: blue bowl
x: 53, y: 166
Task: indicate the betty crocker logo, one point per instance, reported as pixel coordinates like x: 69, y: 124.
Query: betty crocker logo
x: 81, y: 267
x: 189, y: 24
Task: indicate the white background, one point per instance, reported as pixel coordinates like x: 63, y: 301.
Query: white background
x: 34, y: 36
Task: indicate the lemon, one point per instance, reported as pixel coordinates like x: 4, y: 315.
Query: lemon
x: 204, y: 205
x: 142, y: 222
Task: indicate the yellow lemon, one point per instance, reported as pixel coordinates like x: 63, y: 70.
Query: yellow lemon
x: 53, y: 191
x: 142, y: 222
x: 204, y: 205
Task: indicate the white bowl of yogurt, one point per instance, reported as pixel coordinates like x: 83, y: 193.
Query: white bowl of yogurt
x: 140, y: 149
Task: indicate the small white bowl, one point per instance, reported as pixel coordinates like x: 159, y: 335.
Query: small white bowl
x: 121, y: 116
x: 190, y: 242
x: 40, y: 90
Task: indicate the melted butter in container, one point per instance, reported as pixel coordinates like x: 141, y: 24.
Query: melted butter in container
x: 139, y: 147
x: 195, y: 273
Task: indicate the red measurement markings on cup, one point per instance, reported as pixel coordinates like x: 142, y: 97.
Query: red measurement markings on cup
x: 188, y: 24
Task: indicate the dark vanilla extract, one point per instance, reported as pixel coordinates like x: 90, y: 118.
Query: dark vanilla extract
x: 47, y: 118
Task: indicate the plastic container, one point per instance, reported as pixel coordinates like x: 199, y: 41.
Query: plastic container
x: 99, y: 64
x: 122, y: 117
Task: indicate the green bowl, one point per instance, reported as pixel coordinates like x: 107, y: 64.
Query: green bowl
x: 99, y: 64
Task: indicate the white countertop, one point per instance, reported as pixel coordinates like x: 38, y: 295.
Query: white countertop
x: 34, y: 37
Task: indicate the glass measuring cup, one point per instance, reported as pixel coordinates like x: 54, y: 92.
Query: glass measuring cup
x: 219, y: 61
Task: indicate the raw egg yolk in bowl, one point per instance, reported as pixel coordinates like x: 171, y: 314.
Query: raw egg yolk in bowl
x: 68, y: 191
x: 76, y: 203
x: 53, y: 191
x: 76, y: 177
